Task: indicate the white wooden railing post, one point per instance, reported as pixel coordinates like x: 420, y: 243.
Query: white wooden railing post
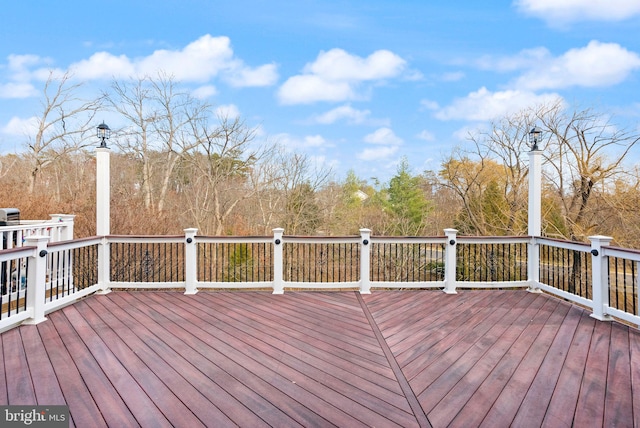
x: 278, y: 283
x: 533, y: 265
x: 62, y: 262
x: 600, y: 279
x: 37, y: 278
x: 450, y: 261
x: 190, y: 261
x: 365, y: 261
x: 104, y: 266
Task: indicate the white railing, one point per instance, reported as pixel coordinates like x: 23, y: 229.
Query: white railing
x: 59, y: 273
x: 58, y: 228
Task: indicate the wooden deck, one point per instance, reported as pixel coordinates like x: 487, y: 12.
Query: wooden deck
x: 396, y: 358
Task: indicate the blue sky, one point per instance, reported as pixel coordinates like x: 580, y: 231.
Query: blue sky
x: 352, y: 84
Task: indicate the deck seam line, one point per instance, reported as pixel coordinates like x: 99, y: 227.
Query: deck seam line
x: 417, y: 409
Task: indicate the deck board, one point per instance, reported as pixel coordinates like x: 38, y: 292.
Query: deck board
x: 18, y: 379
x: 484, y: 397
x: 618, y: 404
x: 565, y: 395
x: 478, y: 358
x: 534, y: 406
x: 44, y: 381
x: 593, y: 389
x: 510, y: 399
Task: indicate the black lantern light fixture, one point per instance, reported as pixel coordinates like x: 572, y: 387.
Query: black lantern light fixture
x: 534, y: 138
x: 103, y: 134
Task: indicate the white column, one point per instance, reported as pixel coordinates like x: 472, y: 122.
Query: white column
x: 450, y: 261
x: 535, y: 193
x: 365, y: 261
x: 600, y: 277
x: 191, y: 261
x: 535, y: 218
x: 278, y: 283
x: 36, y: 278
x: 103, y: 191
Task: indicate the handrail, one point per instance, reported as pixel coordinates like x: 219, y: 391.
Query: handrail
x: 67, y: 270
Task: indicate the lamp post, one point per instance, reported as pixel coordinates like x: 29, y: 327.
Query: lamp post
x: 535, y: 207
x: 103, y: 181
x: 103, y: 134
x: 103, y: 210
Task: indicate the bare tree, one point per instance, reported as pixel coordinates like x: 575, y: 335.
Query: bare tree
x: 64, y: 125
x: 586, y: 151
x: 221, y: 165
x: 160, y: 131
x: 490, y: 178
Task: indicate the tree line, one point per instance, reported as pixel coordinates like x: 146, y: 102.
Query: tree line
x: 176, y: 164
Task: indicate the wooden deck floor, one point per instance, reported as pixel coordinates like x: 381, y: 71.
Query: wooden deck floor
x: 397, y: 358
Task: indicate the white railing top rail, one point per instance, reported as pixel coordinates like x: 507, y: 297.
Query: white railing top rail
x: 558, y: 243
x: 234, y: 239
x: 16, y: 253
x: 131, y: 239
x: 623, y: 253
x: 321, y: 239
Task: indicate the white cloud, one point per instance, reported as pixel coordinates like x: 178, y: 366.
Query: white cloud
x: 204, y: 92
x: 387, y: 144
x: 19, y: 76
x: 230, y: 111
x: 453, y: 76
x: 291, y: 142
x: 337, y: 75
x: 314, y: 141
x: 21, y: 127
x: 17, y: 90
x: 349, y: 114
x: 383, y: 136
x: 596, y: 65
x: 19, y: 65
x: 565, y: 11
x: 337, y: 64
x: 346, y: 112
x: 429, y: 104
x: 103, y: 65
x: 199, y: 61
x: 377, y: 153
x: 486, y: 105
x: 307, y: 89
x: 265, y: 75
x: 527, y: 58
x: 426, y: 136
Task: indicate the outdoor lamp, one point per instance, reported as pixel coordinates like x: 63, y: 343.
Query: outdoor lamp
x: 534, y: 138
x: 103, y: 134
